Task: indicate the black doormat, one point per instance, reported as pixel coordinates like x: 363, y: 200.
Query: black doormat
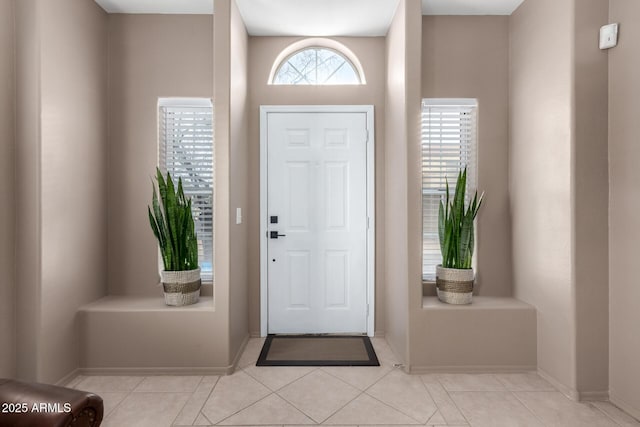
x: 317, y: 350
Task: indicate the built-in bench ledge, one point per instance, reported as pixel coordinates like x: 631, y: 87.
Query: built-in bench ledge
x: 479, y: 303
x: 493, y: 334
x: 137, y: 303
x: 142, y: 335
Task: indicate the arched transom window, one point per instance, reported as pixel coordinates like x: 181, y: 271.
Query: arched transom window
x: 316, y: 66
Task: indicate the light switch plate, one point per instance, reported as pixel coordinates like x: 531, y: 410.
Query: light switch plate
x: 238, y: 216
x: 608, y: 36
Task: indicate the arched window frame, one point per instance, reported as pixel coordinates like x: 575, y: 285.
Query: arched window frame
x: 317, y: 43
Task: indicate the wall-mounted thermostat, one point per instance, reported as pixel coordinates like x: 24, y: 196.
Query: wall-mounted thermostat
x: 608, y: 36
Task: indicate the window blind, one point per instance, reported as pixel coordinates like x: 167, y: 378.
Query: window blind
x: 449, y: 143
x: 186, y: 151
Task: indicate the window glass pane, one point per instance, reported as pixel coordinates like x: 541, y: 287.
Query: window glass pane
x: 316, y: 66
x: 448, y: 145
x: 186, y: 151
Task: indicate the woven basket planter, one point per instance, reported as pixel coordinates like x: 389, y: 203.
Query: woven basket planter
x: 181, y: 287
x: 454, y: 286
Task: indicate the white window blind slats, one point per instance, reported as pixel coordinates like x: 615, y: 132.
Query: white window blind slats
x: 186, y: 151
x: 449, y: 143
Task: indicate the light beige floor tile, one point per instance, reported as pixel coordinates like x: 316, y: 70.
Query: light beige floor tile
x: 384, y: 352
x: 430, y: 379
x: 366, y: 410
x: 527, y: 381
x: 406, y: 393
x: 470, y: 382
x: 111, y: 400
x: 392, y: 425
x: 276, y: 377
x: 194, y: 405
x: 554, y: 409
x: 447, y: 408
x: 169, y: 383
x: 75, y: 381
x: 361, y: 377
x: 319, y: 394
x: 201, y: 420
x: 272, y: 410
x: 494, y: 409
x: 231, y: 394
x: 437, y: 420
x: 99, y: 383
x: 615, y: 413
x: 251, y: 352
x: 147, y: 410
x: 209, y: 380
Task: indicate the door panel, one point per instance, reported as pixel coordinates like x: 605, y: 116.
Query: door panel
x: 317, y: 182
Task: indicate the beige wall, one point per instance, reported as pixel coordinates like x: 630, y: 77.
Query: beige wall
x: 239, y: 184
x: 413, y: 97
x: 624, y: 201
x: 73, y: 175
x: 591, y: 200
x: 541, y: 176
x: 27, y: 194
x: 60, y: 255
x: 468, y: 57
x: 402, y: 183
x: 149, y: 56
x: 262, y: 53
x: 7, y: 108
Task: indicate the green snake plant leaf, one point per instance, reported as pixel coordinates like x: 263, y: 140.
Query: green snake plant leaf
x: 456, y: 225
x: 173, y: 225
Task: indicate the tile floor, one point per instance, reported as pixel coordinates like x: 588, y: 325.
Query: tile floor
x: 342, y: 396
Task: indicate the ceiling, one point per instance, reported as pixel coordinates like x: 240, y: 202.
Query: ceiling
x: 314, y: 17
x: 469, y: 7
x: 196, y: 7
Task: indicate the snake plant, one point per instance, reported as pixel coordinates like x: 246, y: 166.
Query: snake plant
x: 172, y: 224
x: 455, y: 225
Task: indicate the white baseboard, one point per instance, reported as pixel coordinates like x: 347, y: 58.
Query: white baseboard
x: 624, y: 405
x: 594, y: 396
x: 567, y: 391
x: 68, y: 378
x: 157, y: 371
x: 573, y: 394
x: 471, y: 369
x: 236, y: 359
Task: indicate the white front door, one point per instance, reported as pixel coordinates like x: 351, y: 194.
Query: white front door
x: 316, y: 222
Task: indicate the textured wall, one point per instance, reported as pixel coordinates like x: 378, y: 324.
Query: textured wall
x: 150, y: 56
x: 624, y: 202
x: 403, y: 194
x: 468, y: 57
x: 239, y: 187
x: 73, y: 175
x: 591, y: 200
x: 7, y: 138
x: 541, y: 176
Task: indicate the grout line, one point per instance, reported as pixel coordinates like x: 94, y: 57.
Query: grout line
x: 206, y: 418
x: 289, y: 383
x: 183, y: 405
x: 242, y: 409
x: 333, y: 413
x: 360, y: 393
x: 113, y: 410
x: 605, y: 413
x: 529, y: 409
x: 395, y: 409
x: 452, y: 400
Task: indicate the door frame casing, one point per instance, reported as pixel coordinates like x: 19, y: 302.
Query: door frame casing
x: 265, y: 110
